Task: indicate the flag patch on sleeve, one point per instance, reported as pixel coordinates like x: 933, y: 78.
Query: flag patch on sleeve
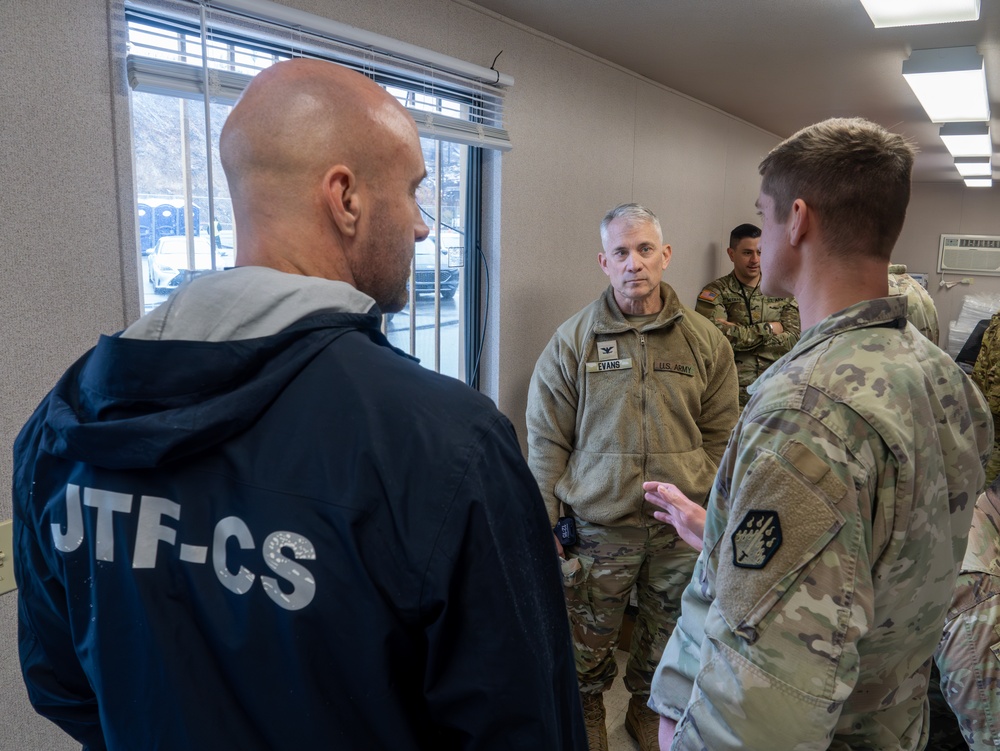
x: 708, y: 295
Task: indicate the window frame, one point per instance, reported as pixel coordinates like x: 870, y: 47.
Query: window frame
x: 470, y: 314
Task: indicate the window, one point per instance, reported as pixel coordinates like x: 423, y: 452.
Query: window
x: 187, y: 66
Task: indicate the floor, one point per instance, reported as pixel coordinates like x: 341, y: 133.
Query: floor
x: 615, y: 703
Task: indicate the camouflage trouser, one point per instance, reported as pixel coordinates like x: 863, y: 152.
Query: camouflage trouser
x: 969, y: 659
x: 606, y: 564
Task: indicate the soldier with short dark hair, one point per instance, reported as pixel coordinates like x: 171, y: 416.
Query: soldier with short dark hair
x: 759, y: 328
x: 838, y: 519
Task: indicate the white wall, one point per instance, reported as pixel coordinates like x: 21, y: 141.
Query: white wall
x: 947, y: 208
x: 587, y: 135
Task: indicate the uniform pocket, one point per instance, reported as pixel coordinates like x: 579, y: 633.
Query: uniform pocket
x: 575, y: 569
x: 783, y: 518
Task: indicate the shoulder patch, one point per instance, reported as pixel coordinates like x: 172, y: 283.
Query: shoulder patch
x: 756, y: 565
x: 708, y: 295
x: 757, y: 539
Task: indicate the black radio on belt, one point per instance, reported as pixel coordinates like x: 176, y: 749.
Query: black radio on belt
x: 565, y: 531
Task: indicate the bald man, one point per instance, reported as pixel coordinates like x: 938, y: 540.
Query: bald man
x: 247, y: 522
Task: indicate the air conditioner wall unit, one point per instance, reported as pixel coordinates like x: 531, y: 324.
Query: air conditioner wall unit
x: 969, y: 254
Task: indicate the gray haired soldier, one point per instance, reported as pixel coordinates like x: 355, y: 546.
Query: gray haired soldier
x: 759, y: 328
x: 839, y: 515
x: 634, y: 385
x: 920, y: 309
x: 969, y: 653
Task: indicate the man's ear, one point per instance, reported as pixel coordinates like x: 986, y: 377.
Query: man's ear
x: 800, y: 221
x: 342, y: 198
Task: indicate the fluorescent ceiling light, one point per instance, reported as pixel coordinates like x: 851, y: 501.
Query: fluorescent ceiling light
x: 915, y: 12
x: 978, y: 182
x: 967, y: 139
x: 950, y: 84
x: 973, y: 166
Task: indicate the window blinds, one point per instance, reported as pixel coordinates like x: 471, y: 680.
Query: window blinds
x: 448, y: 98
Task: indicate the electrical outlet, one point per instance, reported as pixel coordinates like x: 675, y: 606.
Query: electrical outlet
x: 7, y: 583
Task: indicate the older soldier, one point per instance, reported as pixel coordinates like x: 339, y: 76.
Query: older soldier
x: 634, y: 385
x: 986, y: 374
x: 969, y: 653
x: 920, y: 310
x: 760, y: 328
x: 839, y: 515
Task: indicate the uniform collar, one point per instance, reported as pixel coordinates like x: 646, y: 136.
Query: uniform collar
x: 888, y: 312
x: 611, y: 320
x: 753, y: 289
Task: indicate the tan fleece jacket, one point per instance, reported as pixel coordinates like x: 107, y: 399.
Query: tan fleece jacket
x: 611, y: 406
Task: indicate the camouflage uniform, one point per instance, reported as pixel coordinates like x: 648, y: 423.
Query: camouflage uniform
x: 754, y: 346
x: 986, y: 374
x: 834, y: 531
x: 613, y: 403
x: 920, y: 310
x: 610, y: 564
x: 969, y: 653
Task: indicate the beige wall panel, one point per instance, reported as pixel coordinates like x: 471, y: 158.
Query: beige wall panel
x: 573, y: 129
x: 60, y: 265
x: 681, y: 175
x: 747, y: 147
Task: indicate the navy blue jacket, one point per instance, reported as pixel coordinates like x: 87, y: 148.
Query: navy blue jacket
x: 300, y: 541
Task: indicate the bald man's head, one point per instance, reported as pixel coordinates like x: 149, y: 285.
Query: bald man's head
x: 316, y: 155
x: 296, y: 114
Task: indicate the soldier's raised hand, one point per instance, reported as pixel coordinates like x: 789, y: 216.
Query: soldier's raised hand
x: 686, y: 516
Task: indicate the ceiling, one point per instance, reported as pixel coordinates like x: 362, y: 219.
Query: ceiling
x: 778, y: 64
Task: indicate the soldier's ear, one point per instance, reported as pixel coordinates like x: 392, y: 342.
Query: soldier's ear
x: 800, y: 221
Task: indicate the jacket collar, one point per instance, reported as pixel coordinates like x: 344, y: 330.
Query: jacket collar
x: 888, y: 312
x: 611, y: 320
